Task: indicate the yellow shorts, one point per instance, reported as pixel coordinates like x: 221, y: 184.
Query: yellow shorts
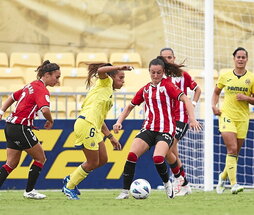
x: 228, y: 125
x: 86, y: 135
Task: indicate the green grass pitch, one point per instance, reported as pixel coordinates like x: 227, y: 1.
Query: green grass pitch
x: 103, y: 202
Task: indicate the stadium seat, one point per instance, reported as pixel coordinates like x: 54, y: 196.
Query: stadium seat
x: 61, y: 93
x: 58, y: 110
x: 63, y: 59
x: 73, y: 77
x: 133, y: 59
x: 30, y: 74
x: 74, y: 109
x: 135, y: 79
x: 11, y: 76
x: 25, y: 59
x: 4, y: 60
x: 82, y: 90
x: 85, y: 58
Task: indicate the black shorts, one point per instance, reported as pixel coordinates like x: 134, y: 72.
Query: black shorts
x: 19, y: 137
x: 181, y: 129
x: 153, y: 137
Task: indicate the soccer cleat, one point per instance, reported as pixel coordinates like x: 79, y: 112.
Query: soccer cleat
x: 185, y: 190
x: 34, y: 195
x: 123, y: 195
x: 71, y: 194
x: 169, y: 190
x: 66, y: 180
x: 236, y: 188
x: 221, y: 185
x: 177, y: 184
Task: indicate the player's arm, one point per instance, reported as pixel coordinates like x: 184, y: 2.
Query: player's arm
x: 242, y: 97
x: 102, y: 71
x: 118, y: 125
x: 194, y: 124
x: 215, y: 100
x: 113, y: 140
x: 196, y: 96
x: 6, y: 105
x: 47, y: 114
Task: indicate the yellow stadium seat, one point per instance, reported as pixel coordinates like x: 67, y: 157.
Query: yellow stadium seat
x: 133, y: 59
x: 10, y: 76
x: 25, y: 59
x: 85, y: 58
x: 74, y: 77
x: 82, y: 90
x: 61, y: 93
x: 4, y: 60
x: 63, y: 59
x: 135, y: 79
x: 74, y: 109
x: 58, y: 110
x: 30, y: 74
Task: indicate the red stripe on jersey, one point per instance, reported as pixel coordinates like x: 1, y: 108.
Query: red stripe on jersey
x: 183, y: 83
x: 158, y: 105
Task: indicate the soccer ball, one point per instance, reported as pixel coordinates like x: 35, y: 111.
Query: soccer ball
x: 140, y: 189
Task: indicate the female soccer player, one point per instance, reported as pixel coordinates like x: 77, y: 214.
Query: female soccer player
x: 90, y: 124
x: 184, y: 82
x: 238, y: 86
x: 158, y: 128
x: 18, y: 129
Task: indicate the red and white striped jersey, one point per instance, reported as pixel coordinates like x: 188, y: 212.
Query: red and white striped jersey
x: 159, y: 100
x: 183, y: 82
x: 30, y: 99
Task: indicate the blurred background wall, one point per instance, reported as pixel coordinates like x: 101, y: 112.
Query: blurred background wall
x: 81, y: 25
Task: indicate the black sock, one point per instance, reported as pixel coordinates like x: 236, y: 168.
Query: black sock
x: 3, y: 175
x: 128, y: 174
x: 162, y: 169
x: 32, y: 177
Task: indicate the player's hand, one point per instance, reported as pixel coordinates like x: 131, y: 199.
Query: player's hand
x: 195, y: 126
x: 126, y: 67
x: 115, y: 143
x: 48, y: 124
x: 241, y: 97
x: 117, y: 127
x: 216, y: 111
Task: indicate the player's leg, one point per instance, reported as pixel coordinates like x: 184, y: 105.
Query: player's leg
x: 138, y: 147
x: 13, y: 157
x: 160, y: 151
x: 37, y: 153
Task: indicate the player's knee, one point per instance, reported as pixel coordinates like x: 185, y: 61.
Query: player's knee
x: 158, y: 159
x: 132, y: 157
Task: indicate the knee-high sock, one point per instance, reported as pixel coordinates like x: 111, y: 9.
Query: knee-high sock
x: 161, y: 167
x: 231, y: 166
x: 175, y: 169
x: 33, y: 175
x: 129, y: 170
x: 76, y: 177
x: 4, y: 172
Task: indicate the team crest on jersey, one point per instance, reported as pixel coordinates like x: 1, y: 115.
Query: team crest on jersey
x: 92, y: 144
x: 247, y: 81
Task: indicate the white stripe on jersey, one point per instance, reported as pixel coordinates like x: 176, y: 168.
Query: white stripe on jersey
x: 150, y: 93
x: 181, y: 104
x: 171, y: 126
x: 159, y: 106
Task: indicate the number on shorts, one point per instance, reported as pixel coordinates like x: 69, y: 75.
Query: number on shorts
x: 92, y: 132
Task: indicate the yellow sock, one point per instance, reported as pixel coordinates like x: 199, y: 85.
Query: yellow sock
x: 76, y: 177
x: 231, y: 166
x: 224, y: 174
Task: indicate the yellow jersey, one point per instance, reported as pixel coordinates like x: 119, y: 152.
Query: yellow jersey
x: 98, y: 102
x: 233, y: 84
